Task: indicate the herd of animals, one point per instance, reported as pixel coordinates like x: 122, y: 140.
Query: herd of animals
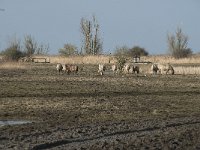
x: 127, y: 68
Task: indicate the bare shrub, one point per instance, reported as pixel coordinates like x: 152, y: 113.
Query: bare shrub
x: 68, y: 49
x: 13, y: 52
x: 177, y: 44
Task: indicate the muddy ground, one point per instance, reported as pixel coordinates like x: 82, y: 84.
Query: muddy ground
x: 88, y: 111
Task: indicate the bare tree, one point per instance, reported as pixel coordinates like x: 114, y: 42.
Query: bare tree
x: 42, y: 49
x: 178, y: 43
x: 90, y: 31
x: 30, y: 45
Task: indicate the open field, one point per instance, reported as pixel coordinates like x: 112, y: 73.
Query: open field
x: 89, y: 111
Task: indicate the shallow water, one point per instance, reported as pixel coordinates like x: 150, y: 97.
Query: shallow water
x: 13, y: 122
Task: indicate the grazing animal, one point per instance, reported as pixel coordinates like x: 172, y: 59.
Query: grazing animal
x: 26, y: 59
x: 162, y: 69
x: 126, y: 68
x: 102, y: 68
x: 154, y: 68
x: 21, y: 59
x: 114, y: 68
x: 59, y: 67
x: 129, y: 68
x: 134, y: 69
x: 70, y: 68
x: 166, y: 69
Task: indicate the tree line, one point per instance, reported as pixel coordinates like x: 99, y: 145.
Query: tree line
x: 92, y: 44
x: 16, y: 49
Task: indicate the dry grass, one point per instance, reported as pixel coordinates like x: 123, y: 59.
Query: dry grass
x: 105, y: 59
x: 195, y: 59
x: 187, y: 70
x: 81, y: 59
x: 13, y: 65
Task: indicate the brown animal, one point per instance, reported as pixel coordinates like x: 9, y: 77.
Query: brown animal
x: 154, y: 68
x: 70, y: 68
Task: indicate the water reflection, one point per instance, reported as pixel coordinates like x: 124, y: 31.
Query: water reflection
x: 13, y: 122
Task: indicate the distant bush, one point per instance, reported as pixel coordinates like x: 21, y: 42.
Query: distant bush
x: 137, y: 52
x: 13, y: 52
x: 121, y: 60
x: 131, y: 52
x: 68, y: 50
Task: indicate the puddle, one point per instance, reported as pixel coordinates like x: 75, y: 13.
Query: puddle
x: 12, y: 122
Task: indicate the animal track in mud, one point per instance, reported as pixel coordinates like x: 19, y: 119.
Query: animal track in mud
x: 111, y: 135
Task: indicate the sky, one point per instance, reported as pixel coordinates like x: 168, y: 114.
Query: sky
x: 144, y: 23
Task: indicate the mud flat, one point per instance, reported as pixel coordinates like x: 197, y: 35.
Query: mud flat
x: 88, y: 111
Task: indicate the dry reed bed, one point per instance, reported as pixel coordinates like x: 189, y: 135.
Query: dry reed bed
x: 13, y: 65
x: 82, y: 59
x: 195, y: 59
x: 187, y: 70
x: 106, y: 59
x: 168, y: 59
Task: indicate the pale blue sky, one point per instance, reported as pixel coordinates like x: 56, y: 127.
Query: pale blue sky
x: 143, y: 23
